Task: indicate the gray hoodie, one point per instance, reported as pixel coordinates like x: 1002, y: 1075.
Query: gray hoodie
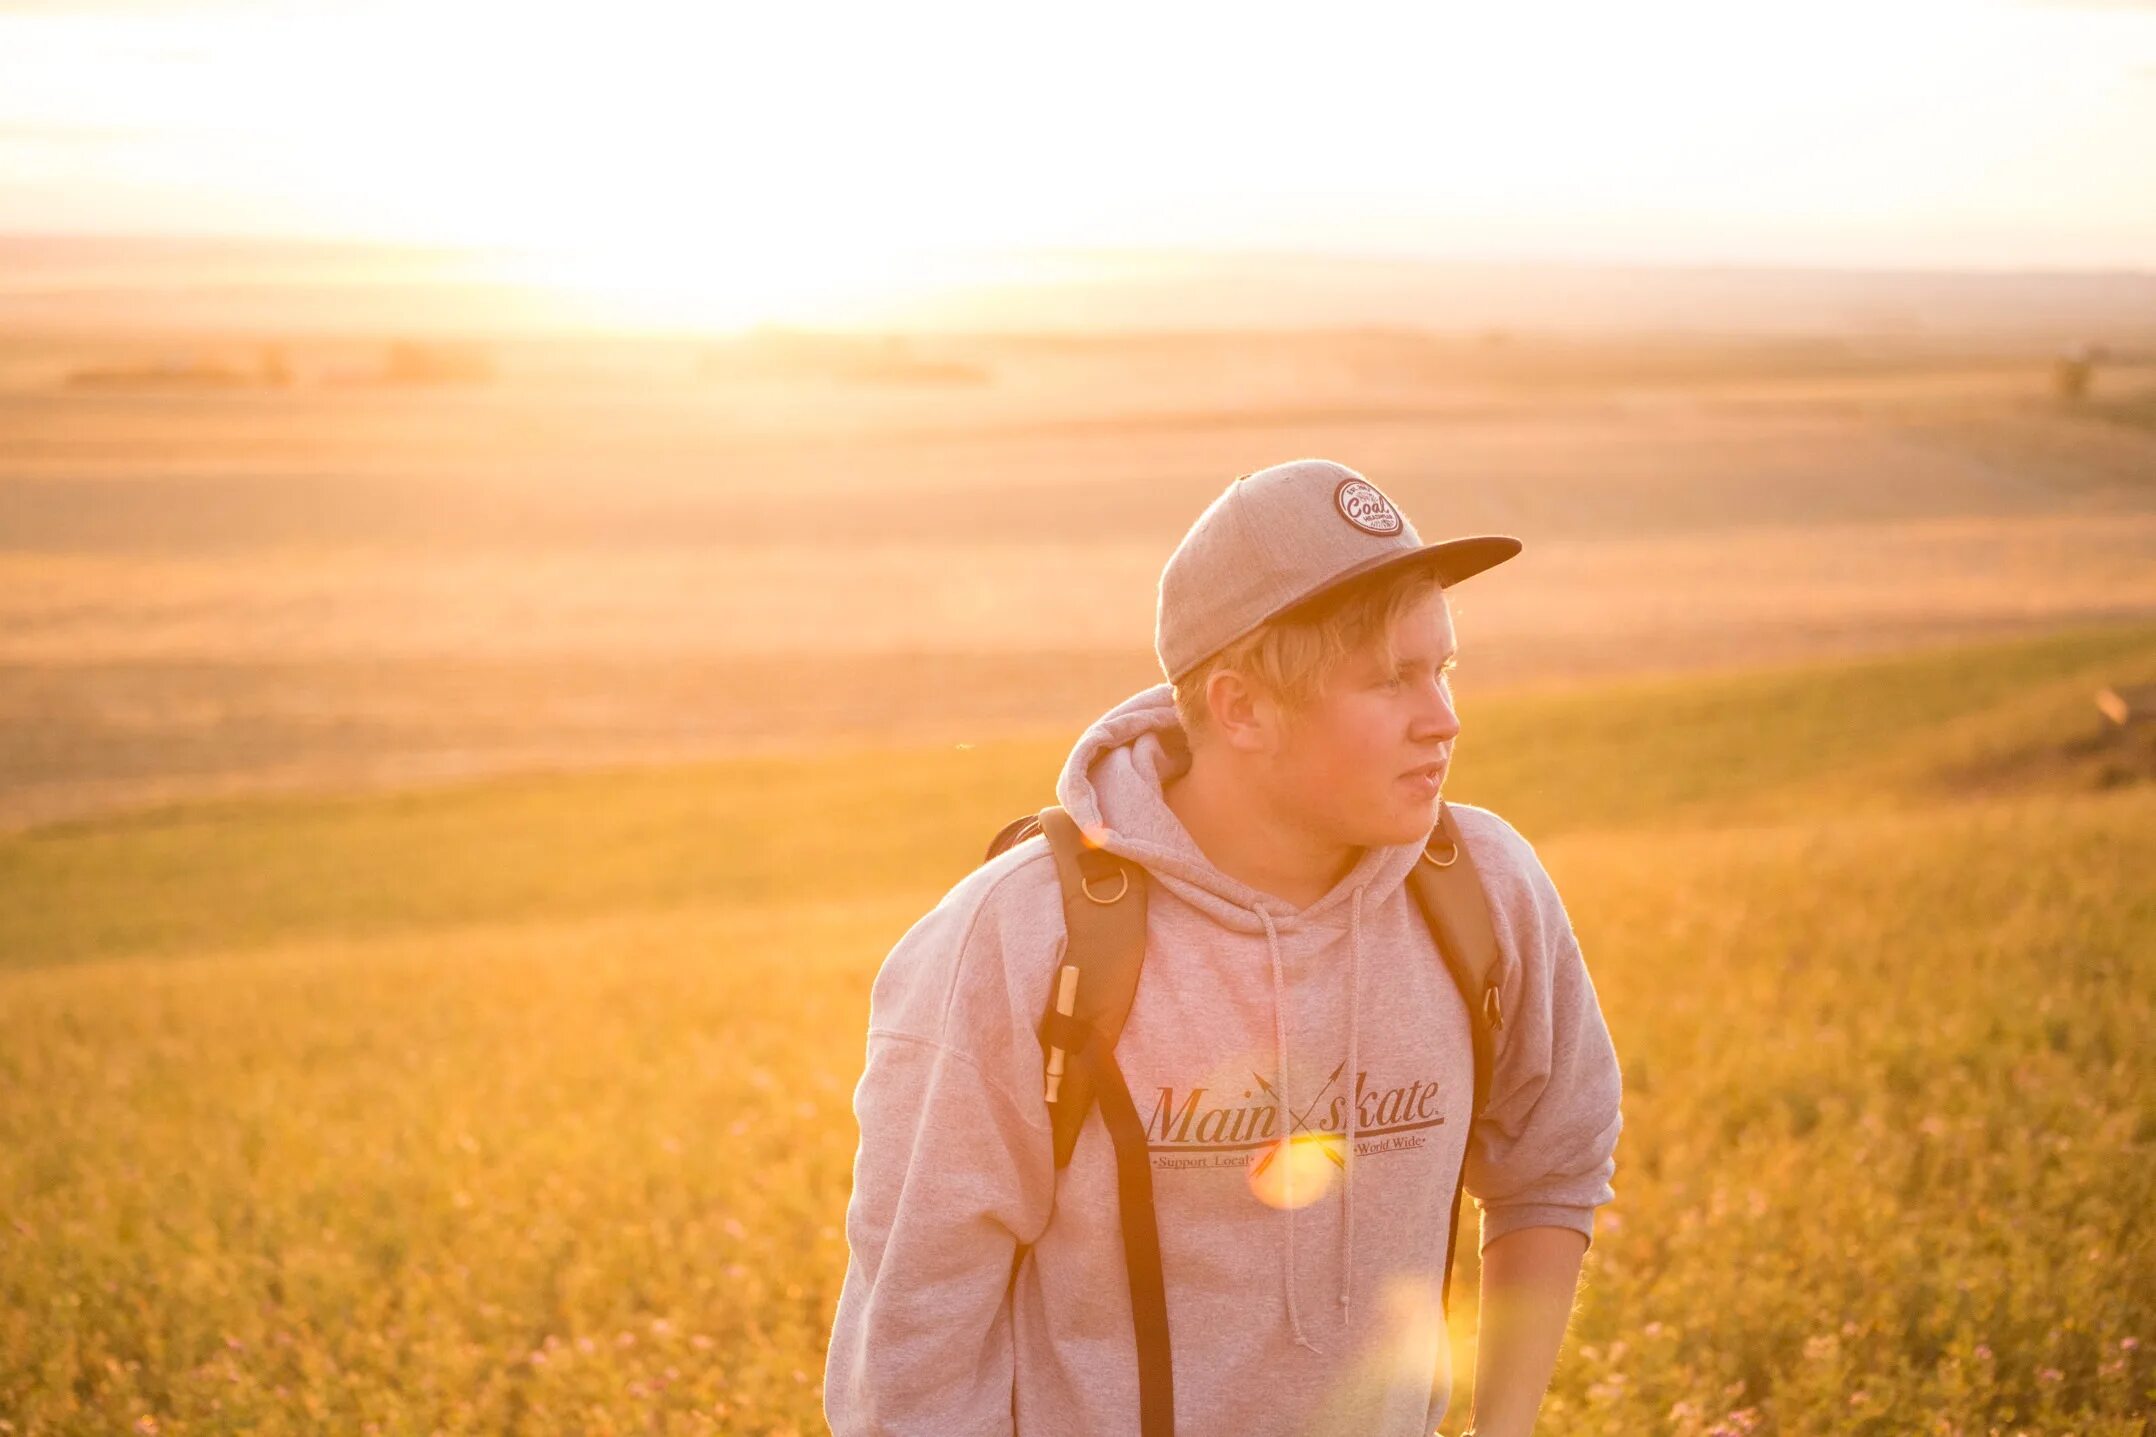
x: 1301, y: 1300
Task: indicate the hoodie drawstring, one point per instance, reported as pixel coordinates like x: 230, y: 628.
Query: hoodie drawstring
x: 1286, y: 1154
x: 1347, y: 1177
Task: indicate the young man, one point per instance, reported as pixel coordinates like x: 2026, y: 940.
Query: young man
x: 1296, y: 1049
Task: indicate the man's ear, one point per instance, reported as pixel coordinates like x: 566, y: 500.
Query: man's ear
x: 1244, y: 717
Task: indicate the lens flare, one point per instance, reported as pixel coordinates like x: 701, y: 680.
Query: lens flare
x: 1295, y: 1172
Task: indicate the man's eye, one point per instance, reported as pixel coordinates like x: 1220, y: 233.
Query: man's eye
x: 1443, y: 670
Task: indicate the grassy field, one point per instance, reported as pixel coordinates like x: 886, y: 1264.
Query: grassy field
x: 523, y: 1105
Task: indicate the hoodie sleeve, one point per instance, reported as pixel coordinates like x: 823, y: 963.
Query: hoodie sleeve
x: 956, y: 1166
x: 1545, y: 1150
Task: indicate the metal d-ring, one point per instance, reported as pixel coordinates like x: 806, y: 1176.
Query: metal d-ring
x: 1450, y: 858
x: 1085, y: 886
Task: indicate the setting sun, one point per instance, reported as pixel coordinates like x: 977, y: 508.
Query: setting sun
x: 685, y: 162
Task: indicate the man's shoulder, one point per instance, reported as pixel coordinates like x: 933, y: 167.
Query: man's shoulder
x: 1019, y: 884
x: 1005, y: 914
x: 1519, y: 886
x: 1497, y: 846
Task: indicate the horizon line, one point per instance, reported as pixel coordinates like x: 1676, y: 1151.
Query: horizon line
x: 473, y: 248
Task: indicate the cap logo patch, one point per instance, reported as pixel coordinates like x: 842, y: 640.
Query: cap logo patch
x: 1363, y: 506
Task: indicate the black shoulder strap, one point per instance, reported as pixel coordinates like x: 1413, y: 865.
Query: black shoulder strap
x: 1095, y: 984
x: 1104, y: 915
x: 1449, y: 890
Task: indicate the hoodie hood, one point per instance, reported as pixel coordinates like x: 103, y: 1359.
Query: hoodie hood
x: 1112, y: 785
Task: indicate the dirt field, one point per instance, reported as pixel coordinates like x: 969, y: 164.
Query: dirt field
x: 623, y: 553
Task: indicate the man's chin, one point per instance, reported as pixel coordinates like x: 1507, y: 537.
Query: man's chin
x: 1410, y: 827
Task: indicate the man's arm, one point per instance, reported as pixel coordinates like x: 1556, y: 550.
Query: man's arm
x: 956, y: 1166
x: 1529, y: 1279
x: 1543, y: 1152
x: 946, y: 1178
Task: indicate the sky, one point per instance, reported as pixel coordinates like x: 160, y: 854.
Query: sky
x: 715, y: 147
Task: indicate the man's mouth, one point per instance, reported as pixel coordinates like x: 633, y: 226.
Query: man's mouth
x: 1427, y: 777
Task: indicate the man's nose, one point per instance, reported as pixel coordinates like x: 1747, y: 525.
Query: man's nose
x: 1436, y: 720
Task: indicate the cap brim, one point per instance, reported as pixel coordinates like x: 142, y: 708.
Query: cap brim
x: 1453, y: 559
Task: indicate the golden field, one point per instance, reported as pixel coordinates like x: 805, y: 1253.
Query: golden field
x: 522, y: 1105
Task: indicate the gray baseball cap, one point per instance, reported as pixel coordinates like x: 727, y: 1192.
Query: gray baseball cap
x: 1282, y: 536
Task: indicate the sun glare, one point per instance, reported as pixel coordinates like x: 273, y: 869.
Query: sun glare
x: 720, y: 166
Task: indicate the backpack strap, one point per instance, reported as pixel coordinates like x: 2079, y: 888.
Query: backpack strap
x: 1141, y: 1233
x: 1104, y: 916
x: 1449, y: 890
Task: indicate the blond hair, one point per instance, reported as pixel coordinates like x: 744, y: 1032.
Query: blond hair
x: 1295, y: 656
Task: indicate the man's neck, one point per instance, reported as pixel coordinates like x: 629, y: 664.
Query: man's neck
x: 1249, y: 843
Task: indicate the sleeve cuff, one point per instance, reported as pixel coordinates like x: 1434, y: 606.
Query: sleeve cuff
x: 1499, y: 1219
